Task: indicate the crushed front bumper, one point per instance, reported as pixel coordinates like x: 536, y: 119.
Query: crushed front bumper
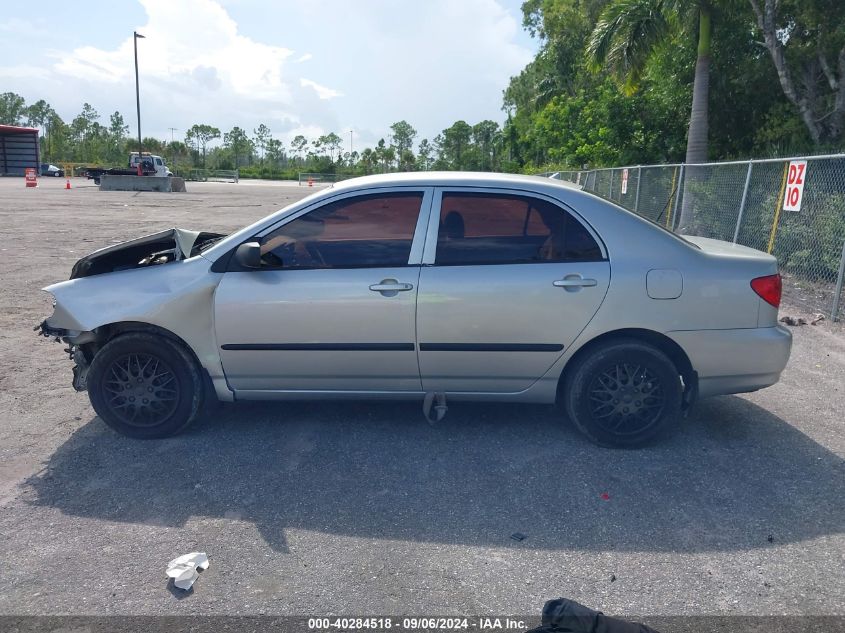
x: 74, y: 351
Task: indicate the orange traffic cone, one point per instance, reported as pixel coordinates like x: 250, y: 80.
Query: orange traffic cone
x: 67, y: 184
x: 310, y: 181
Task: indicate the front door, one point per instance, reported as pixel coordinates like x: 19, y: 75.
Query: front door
x: 509, y: 281
x: 333, y: 306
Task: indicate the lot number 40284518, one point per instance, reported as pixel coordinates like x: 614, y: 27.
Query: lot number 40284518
x: 795, y: 177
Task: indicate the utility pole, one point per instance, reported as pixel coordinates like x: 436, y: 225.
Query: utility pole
x: 138, y: 97
x: 172, y: 149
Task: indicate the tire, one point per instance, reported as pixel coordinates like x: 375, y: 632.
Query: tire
x: 157, y: 373
x: 624, y: 393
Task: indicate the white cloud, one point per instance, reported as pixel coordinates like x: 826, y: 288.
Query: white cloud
x: 430, y: 63
x: 322, y: 91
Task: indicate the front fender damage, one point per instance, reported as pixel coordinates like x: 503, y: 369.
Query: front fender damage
x: 176, y: 299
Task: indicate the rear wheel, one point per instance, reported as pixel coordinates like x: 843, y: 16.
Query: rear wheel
x: 145, y: 386
x: 624, y: 393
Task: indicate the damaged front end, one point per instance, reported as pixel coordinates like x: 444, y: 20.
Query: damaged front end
x: 79, y: 350
x: 66, y: 326
x: 150, y: 250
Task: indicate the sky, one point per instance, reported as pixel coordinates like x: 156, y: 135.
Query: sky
x: 300, y: 67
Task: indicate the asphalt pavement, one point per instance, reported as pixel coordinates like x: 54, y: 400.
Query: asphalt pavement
x: 364, y: 508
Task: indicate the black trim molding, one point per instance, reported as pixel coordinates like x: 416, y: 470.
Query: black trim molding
x: 490, y: 347
x: 319, y: 347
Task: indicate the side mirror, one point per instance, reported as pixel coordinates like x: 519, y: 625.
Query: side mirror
x: 248, y: 255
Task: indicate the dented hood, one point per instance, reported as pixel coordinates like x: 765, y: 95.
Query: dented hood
x: 159, y: 248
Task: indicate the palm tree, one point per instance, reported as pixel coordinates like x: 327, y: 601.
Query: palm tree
x: 626, y: 34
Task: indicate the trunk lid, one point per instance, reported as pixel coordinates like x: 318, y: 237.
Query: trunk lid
x: 737, y: 267
x: 721, y: 248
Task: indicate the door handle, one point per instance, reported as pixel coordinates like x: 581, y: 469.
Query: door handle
x: 575, y: 282
x: 391, y: 285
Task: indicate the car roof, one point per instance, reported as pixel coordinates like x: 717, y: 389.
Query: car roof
x: 451, y: 178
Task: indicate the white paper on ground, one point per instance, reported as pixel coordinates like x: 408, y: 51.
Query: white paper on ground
x: 183, y: 570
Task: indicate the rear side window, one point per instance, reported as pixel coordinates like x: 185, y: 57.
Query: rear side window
x: 483, y: 228
x: 365, y: 231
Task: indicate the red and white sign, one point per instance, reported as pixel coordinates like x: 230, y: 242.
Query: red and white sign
x: 31, y: 178
x: 795, y: 178
x: 624, y: 181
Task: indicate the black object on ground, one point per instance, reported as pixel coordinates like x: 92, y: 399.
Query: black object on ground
x: 567, y: 616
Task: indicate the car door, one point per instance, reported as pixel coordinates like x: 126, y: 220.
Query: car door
x: 332, y: 307
x: 509, y: 280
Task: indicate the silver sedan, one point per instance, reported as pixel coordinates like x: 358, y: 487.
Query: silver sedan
x: 431, y: 286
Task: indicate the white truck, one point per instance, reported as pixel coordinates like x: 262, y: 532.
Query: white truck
x: 151, y: 165
x: 150, y: 161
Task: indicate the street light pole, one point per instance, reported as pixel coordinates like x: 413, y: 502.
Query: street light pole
x: 350, y: 142
x: 138, y: 96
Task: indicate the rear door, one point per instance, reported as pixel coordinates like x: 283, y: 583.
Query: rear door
x: 333, y: 306
x: 509, y: 281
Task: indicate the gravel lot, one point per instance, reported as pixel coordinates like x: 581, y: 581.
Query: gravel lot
x: 316, y: 508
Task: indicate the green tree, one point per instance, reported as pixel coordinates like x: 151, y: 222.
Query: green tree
x: 806, y: 42
x: 199, y: 136
x: 424, y: 154
x: 39, y: 115
x: 369, y: 160
x: 402, y: 140
x: 626, y: 36
x: 262, y: 135
x: 385, y: 155
x: 12, y: 108
x: 629, y: 31
x: 177, y: 153
x: 87, y: 134
x: 298, y: 146
x: 331, y: 143
x: 118, y: 130
x: 452, y: 144
x: 238, y: 143
x: 275, y: 151
x: 485, y: 136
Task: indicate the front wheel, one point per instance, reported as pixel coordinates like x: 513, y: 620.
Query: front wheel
x: 145, y: 386
x: 624, y: 393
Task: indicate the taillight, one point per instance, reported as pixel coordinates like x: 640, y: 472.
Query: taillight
x: 769, y: 288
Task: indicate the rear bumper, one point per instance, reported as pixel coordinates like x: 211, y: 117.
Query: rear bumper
x: 735, y: 361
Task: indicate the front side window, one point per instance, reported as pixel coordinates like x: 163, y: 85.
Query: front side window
x: 362, y: 232
x: 483, y: 228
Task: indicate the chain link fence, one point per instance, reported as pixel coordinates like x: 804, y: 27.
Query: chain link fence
x: 793, y: 208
